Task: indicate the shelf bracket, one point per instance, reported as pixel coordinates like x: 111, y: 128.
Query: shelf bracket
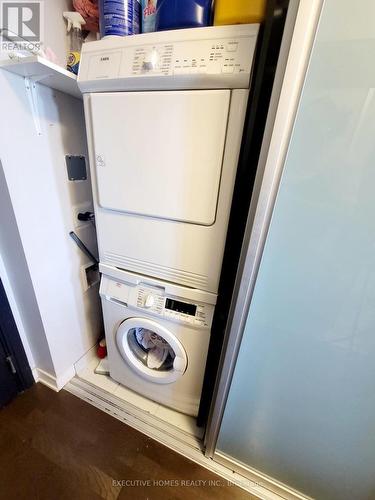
x: 32, y: 94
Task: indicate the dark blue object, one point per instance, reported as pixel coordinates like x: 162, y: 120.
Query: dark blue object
x: 174, y: 14
x: 119, y: 17
x: 15, y: 372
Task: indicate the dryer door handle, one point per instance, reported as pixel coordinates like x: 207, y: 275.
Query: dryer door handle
x: 179, y: 364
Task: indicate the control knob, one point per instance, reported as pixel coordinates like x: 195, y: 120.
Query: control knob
x: 149, y: 301
x: 151, y: 61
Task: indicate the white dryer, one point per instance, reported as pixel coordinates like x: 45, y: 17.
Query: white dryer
x: 164, y: 114
x: 157, y: 337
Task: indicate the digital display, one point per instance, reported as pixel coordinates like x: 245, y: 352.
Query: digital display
x: 182, y: 307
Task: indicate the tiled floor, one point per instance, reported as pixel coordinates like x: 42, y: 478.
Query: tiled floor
x: 175, y: 418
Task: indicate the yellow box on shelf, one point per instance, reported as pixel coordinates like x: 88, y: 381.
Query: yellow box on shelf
x: 239, y: 11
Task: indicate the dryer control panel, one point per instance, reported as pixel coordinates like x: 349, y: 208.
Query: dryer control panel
x: 213, y: 57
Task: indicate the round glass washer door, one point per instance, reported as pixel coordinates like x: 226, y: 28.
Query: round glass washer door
x: 151, y: 350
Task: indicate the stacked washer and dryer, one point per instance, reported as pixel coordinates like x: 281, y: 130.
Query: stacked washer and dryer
x: 164, y: 115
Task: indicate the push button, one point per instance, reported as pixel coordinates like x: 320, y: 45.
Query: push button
x: 227, y: 69
x: 232, y: 46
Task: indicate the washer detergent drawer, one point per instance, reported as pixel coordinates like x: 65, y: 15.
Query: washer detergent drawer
x: 159, y: 154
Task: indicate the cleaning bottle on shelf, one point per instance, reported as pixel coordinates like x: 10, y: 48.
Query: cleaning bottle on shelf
x: 74, y: 29
x: 149, y: 9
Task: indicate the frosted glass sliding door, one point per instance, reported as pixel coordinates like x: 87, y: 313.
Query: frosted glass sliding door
x: 301, y: 406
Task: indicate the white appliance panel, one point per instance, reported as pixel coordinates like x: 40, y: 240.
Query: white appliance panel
x: 204, y: 58
x: 160, y: 154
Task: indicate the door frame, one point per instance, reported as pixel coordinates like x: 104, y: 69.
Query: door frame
x: 11, y: 341
x: 298, y: 40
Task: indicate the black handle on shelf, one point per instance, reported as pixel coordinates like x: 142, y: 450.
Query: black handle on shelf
x: 83, y: 248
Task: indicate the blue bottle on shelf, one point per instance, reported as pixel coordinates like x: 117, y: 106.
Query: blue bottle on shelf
x: 175, y: 14
x: 119, y: 17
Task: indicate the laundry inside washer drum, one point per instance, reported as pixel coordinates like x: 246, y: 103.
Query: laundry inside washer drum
x: 151, y: 349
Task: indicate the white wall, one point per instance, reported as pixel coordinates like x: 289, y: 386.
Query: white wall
x: 42, y: 265
x: 55, y: 27
x: 21, y: 297
x: 54, y: 30
x: 42, y: 198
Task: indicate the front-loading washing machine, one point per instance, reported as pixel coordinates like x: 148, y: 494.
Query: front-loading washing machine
x: 157, y: 336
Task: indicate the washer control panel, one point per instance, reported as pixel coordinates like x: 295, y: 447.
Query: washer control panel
x: 172, y: 308
x: 159, y: 301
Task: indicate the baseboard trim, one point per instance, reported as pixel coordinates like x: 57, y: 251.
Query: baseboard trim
x: 130, y: 414
x: 278, y: 488
x: 34, y: 371
x: 53, y: 382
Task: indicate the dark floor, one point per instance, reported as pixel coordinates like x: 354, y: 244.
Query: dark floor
x: 56, y: 446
